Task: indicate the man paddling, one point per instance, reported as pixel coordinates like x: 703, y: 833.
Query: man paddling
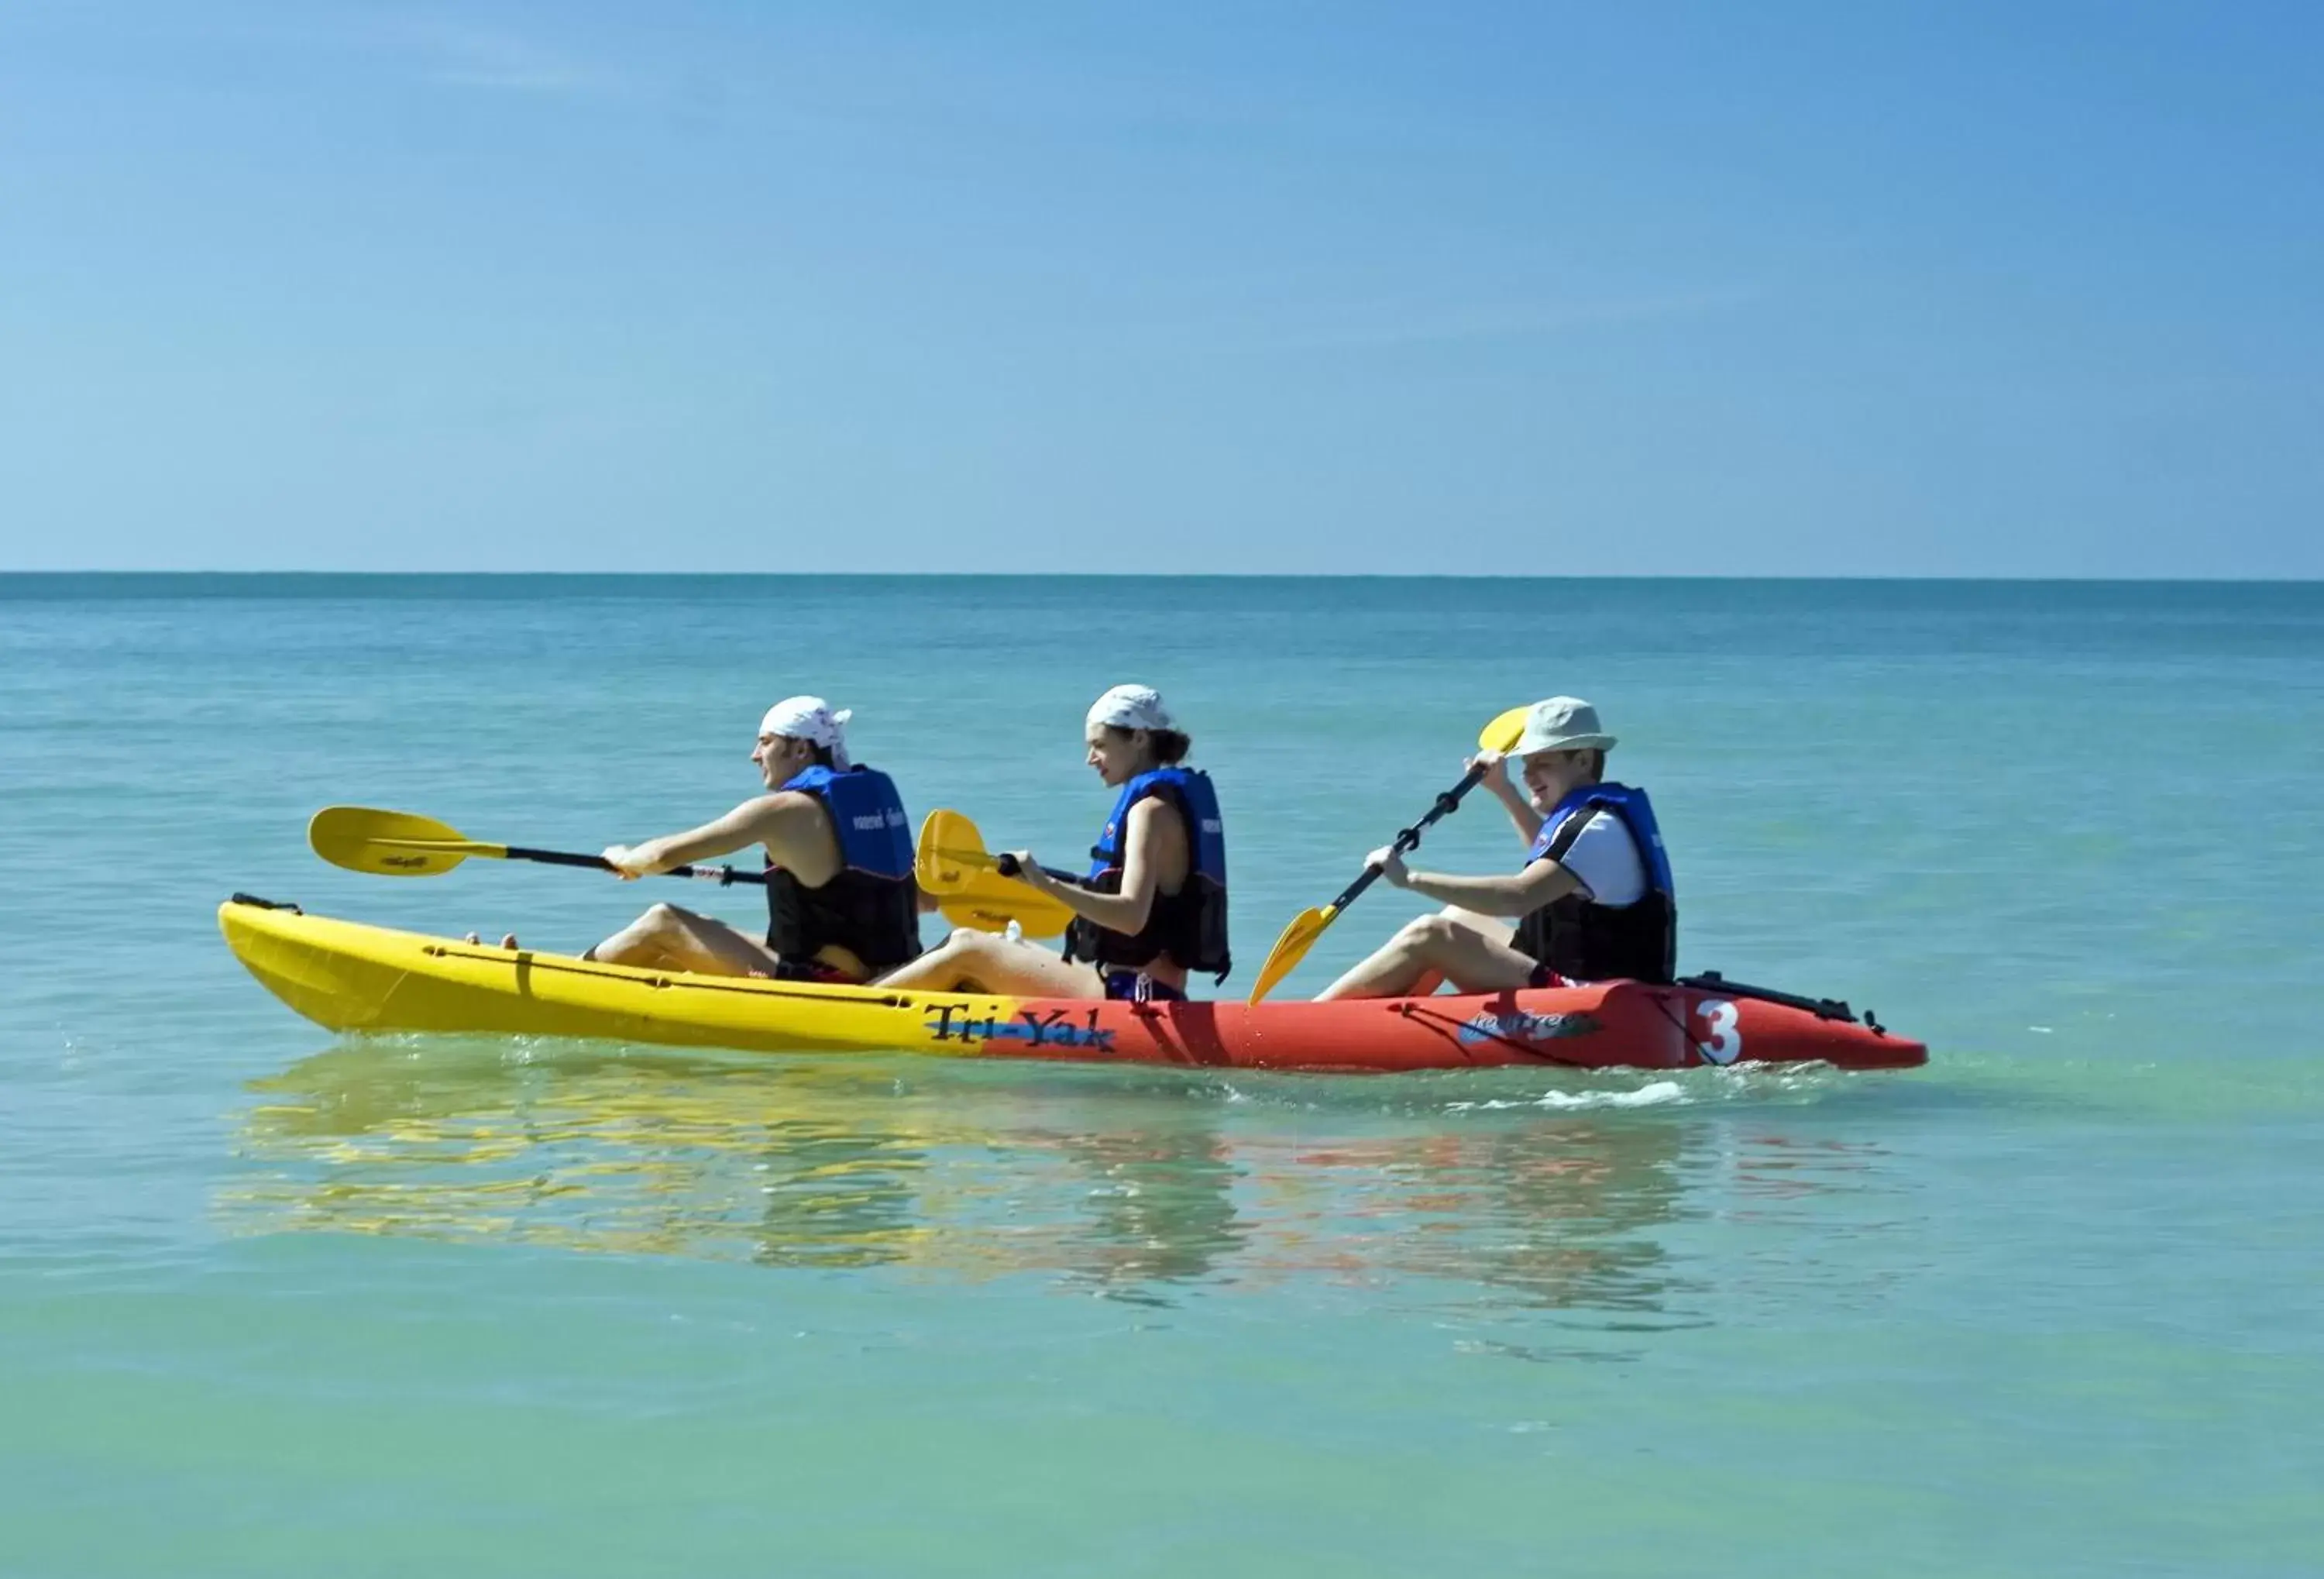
x: 842, y: 905
x: 1594, y: 899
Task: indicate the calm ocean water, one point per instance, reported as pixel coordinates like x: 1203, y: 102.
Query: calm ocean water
x: 277, y: 1303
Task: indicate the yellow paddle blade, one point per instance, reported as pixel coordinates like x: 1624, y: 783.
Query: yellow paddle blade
x: 953, y: 863
x: 950, y: 852
x: 991, y: 904
x: 1502, y: 732
x: 391, y: 843
x: 968, y: 910
x: 1291, y: 948
x: 948, y: 859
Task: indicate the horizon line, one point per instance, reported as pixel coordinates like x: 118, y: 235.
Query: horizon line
x: 1845, y: 576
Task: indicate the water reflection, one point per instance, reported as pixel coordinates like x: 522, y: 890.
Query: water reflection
x: 1129, y: 1182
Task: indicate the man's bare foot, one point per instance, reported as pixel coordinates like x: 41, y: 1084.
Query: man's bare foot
x: 508, y: 939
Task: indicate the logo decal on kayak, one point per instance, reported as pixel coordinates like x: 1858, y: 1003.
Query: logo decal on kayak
x: 1526, y: 1028
x: 953, y: 1022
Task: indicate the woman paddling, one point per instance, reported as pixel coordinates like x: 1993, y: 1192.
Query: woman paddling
x: 1154, y: 905
x: 1594, y: 897
x: 841, y: 902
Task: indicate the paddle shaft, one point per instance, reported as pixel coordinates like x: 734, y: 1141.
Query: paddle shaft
x: 1010, y: 866
x: 721, y: 875
x: 1409, y: 838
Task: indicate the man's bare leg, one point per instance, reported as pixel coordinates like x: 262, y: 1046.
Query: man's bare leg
x: 669, y: 938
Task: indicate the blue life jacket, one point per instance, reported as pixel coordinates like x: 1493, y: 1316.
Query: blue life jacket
x: 1190, y: 925
x: 1583, y: 940
x: 871, y: 907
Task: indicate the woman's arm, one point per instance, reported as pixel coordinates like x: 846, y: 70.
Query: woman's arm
x: 1155, y: 828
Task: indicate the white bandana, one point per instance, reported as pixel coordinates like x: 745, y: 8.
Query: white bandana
x: 811, y: 719
x: 1132, y: 708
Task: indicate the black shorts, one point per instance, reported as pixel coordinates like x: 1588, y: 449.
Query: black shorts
x: 814, y: 970
x: 1137, y: 986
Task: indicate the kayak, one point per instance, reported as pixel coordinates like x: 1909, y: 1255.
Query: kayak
x: 352, y: 977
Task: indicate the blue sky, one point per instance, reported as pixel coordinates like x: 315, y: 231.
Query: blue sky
x: 2021, y: 290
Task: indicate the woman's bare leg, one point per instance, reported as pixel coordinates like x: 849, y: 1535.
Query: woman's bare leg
x: 670, y: 938
x: 987, y: 962
x: 1442, y: 947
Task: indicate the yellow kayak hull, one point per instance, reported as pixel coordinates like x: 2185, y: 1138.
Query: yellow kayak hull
x: 349, y: 976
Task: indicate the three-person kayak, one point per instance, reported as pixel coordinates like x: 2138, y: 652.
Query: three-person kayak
x: 353, y: 977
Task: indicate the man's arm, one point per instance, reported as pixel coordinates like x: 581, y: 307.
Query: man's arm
x: 790, y: 825
x: 1512, y: 798
x: 1543, y: 882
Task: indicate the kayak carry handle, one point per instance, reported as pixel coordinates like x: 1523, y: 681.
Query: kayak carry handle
x: 1822, y: 1008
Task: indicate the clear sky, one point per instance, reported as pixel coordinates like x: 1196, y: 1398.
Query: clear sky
x: 1859, y: 289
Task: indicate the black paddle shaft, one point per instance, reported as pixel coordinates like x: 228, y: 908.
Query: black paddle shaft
x: 1409, y: 838
x: 1010, y: 866
x: 721, y: 875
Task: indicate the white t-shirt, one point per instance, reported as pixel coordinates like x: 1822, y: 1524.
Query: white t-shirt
x: 1607, y: 860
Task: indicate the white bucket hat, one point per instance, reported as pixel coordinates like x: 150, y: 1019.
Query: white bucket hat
x: 811, y: 719
x: 1132, y: 708
x: 1561, y: 723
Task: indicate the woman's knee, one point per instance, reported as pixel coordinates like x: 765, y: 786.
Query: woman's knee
x: 1428, y: 935
x: 968, y: 943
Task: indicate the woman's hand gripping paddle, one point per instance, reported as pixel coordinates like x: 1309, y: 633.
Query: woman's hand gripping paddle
x: 1309, y: 924
x: 975, y: 888
x: 403, y: 844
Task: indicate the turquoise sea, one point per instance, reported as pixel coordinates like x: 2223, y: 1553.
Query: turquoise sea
x: 273, y: 1302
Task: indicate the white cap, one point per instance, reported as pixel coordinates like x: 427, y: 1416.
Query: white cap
x: 1132, y: 708
x: 1561, y: 723
x: 811, y: 719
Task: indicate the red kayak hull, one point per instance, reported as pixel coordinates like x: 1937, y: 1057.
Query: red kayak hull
x: 1604, y: 1025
